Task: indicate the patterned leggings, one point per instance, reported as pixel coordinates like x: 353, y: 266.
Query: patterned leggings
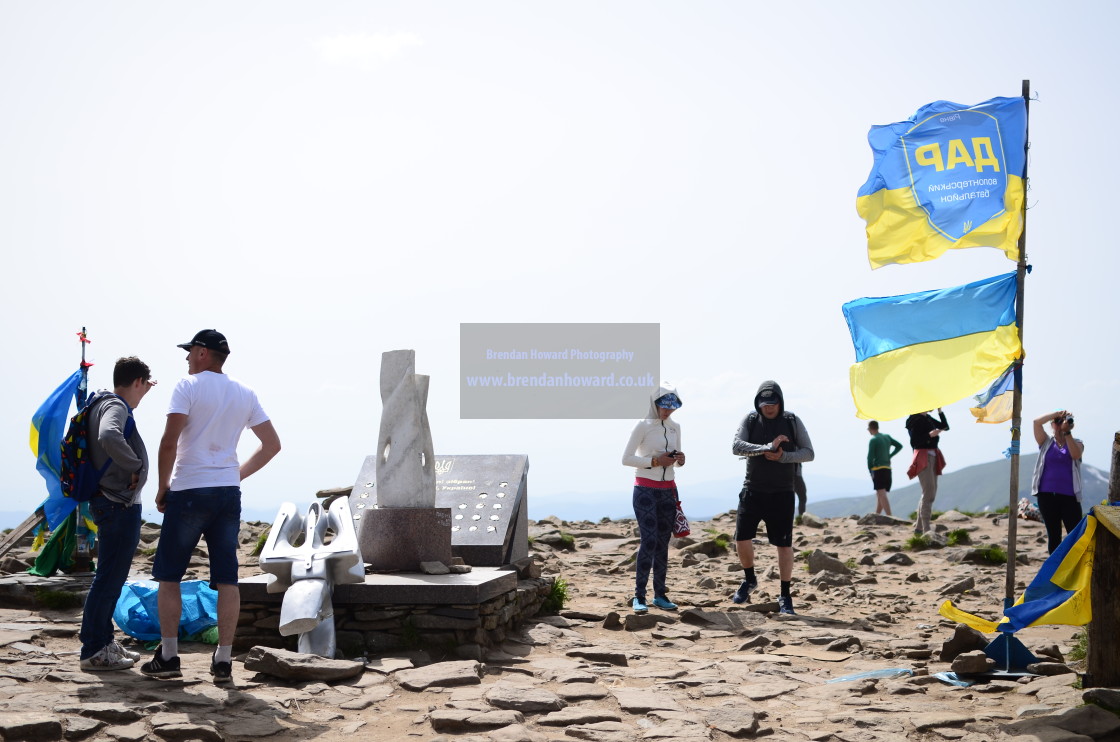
x: 655, y: 511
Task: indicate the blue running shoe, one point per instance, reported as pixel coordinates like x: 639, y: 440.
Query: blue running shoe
x: 743, y: 594
x: 664, y: 603
x: 639, y: 605
x: 785, y: 605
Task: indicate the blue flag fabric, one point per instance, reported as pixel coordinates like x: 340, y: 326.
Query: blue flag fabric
x: 925, y: 350
x: 996, y: 403
x: 1058, y: 594
x: 951, y: 176
x: 48, y: 427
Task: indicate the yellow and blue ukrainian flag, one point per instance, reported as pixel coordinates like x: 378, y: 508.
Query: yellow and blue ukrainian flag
x: 48, y: 427
x: 1058, y: 594
x: 995, y: 405
x: 921, y: 351
x: 951, y: 176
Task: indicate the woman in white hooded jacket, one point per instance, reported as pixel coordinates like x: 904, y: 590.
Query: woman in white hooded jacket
x: 654, y: 452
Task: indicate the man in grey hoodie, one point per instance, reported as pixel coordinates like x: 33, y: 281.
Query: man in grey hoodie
x: 774, y: 442
x: 115, y: 442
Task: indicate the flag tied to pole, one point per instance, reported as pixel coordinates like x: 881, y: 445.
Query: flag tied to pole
x: 1058, y: 594
x: 48, y: 426
x: 921, y: 351
x: 951, y: 176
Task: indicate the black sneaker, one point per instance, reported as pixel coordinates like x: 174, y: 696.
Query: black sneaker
x: 222, y: 671
x: 743, y: 594
x: 158, y: 667
x: 785, y: 605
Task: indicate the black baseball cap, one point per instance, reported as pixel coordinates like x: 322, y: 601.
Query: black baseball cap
x: 211, y: 339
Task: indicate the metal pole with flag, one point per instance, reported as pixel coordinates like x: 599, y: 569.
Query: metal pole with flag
x: 83, y: 519
x: 1017, y: 395
x: 951, y: 176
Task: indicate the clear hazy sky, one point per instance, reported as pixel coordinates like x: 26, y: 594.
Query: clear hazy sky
x: 326, y: 181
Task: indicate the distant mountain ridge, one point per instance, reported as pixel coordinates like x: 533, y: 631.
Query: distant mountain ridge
x: 974, y: 489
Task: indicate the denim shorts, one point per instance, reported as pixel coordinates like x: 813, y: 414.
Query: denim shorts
x: 210, y: 513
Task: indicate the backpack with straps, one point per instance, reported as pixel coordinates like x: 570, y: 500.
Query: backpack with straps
x: 79, y: 477
x: 753, y: 424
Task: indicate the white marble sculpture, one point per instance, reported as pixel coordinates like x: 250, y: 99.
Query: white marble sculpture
x: 405, y: 459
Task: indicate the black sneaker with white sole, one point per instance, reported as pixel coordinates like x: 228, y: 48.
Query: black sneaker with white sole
x: 158, y: 667
x: 222, y: 671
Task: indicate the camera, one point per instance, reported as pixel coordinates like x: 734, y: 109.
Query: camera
x: 1067, y: 419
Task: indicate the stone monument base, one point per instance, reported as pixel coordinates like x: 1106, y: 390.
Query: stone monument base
x: 399, y: 539
x: 465, y: 615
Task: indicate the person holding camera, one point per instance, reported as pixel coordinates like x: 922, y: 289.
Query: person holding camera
x: 653, y: 451
x: 774, y: 442
x: 1057, y: 475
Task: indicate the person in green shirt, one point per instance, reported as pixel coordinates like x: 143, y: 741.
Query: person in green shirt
x: 879, y: 453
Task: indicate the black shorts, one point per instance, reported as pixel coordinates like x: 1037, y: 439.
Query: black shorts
x: 775, y: 509
x: 881, y: 479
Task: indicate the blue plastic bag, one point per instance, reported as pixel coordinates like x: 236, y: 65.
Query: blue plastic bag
x: 137, y: 611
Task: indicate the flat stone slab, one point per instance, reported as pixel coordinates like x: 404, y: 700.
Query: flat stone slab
x: 403, y: 588
x: 297, y: 666
x: 764, y: 691
x: 642, y: 700
x: 441, y: 675
x: 813, y: 653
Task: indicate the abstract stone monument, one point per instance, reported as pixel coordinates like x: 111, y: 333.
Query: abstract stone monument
x: 305, y: 558
x: 399, y: 525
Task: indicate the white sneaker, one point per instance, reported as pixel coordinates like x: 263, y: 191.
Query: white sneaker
x: 124, y: 652
x: 106, y: 659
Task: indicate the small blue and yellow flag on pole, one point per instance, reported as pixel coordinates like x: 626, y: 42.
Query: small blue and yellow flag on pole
x: 921, y: 351
x: 48, y: 426
x: 995, y: 404
x: 951, y: 176
x: 1058, y: 594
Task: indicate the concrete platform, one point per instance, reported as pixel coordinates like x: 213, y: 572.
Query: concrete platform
x: 403, y: 588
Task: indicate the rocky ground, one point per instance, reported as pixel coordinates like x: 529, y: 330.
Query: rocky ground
x: 858, y: 662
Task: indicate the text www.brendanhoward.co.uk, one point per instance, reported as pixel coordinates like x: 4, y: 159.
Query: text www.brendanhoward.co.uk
x: 560, y: 380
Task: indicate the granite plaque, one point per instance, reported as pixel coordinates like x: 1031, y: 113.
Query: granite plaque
x: 487, y: 499
x: 489, y: 512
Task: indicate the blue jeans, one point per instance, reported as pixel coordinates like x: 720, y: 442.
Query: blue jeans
x: 655, y: 510
x: 118, y: 533
x: 212, y: 513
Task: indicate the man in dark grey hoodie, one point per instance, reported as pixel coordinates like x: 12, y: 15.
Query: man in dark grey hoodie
x: 116, y: 446
x: 774, y: 442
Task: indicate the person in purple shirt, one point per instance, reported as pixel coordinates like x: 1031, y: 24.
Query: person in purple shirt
x: 1057, y: 475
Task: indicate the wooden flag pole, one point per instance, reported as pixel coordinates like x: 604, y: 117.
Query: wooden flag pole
x: 1017, y: 395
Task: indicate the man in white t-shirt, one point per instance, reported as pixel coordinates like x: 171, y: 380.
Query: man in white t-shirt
x: 200, y: 493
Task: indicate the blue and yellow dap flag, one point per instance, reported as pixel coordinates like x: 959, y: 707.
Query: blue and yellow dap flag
x: 918, y: 352
x: 48, y: 426
x: 951, y: 176
x: 1058, y: 594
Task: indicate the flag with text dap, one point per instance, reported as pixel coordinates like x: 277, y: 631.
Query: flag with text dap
x: 951, y: 176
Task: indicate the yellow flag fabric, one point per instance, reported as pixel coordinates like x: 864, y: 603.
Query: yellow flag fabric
x: 950, y: 176
x: 926, y: 350
x: 1058, y: 594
